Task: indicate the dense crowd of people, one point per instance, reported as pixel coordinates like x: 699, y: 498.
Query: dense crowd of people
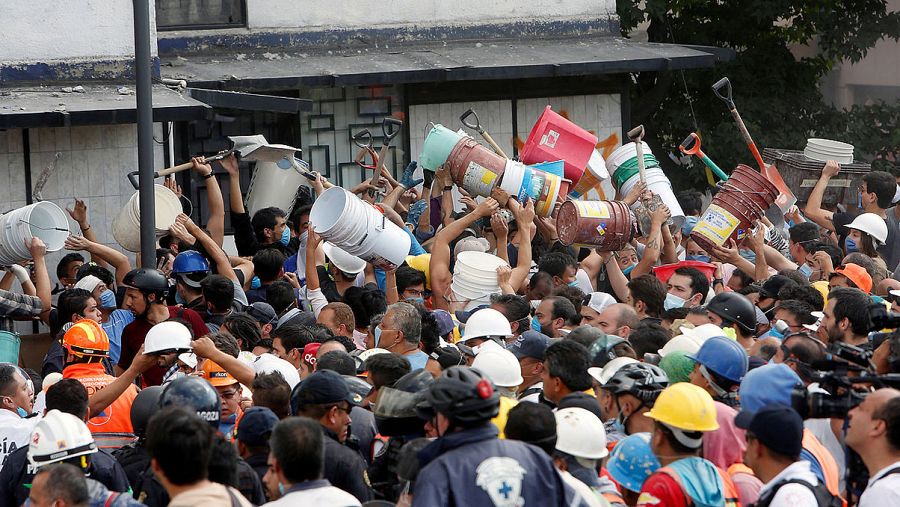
x: 758, y: 373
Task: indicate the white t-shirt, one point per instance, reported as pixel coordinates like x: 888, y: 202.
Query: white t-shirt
x: 793, y: 495
x: 15, y: 432
x: 881, y: 492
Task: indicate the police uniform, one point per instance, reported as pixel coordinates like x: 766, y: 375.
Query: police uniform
x: 17, y: 475
x: 473, y: 467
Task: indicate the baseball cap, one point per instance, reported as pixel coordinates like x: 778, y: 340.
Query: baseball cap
x: 262, y: 312
x: 256, y: 425
x: 767, y: 385
x: 445, y: 322
x: 774, y: 284
x: 216, y: 375
x: 530, y: 344
x: 463, y: 315
x: 777, y: 427
x: 310, y: 350
x: 856, y: 274
x: 322, y: 387
x: 600, y: 301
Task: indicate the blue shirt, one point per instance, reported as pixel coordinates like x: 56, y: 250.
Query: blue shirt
x: 417, y: 361
x: 118, y: 319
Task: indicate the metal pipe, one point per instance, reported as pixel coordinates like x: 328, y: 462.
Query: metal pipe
x: 144, y: 96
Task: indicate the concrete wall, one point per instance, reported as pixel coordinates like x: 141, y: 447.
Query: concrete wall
x: 360, y: 15
x: 67, y: 33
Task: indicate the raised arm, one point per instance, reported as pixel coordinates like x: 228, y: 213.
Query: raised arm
x: 218, y: 256
x: 814, y: 209
x: 214, y: 201
x: 79, y: 215
x: 525, y: 220
x: 241, y: 371
x: 653, y: 247
x: 41, y: 278
x: 119, y: 262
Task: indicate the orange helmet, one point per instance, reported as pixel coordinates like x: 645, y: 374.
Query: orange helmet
x: 86, y: 338
x: 216, y: 375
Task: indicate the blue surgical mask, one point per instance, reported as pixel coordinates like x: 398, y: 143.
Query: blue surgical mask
x: 805, y: 270
x: 107, y: 299
x: 629, y: 269
x: 850, y: 245
x: 421, y: 301
x: 698, y: 258
x: 535, y: 324
x: 377, y: 334
x: 673, y: 301
x: 255, y: 283
x: 21, y: 411
x: 179, y: 300
x: 285, y: 236
x: 573, y: 283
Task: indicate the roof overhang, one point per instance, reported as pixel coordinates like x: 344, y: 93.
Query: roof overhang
x: 436, y: 62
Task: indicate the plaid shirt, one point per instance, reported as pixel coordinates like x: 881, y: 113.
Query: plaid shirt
x: 19, y: 305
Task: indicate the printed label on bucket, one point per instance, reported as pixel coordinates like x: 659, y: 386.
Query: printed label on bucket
x: 717, y: 224
x: 592, y: 209
x: 479, y: 180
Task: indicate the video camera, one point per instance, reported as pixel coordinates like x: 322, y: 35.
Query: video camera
x: 845, y: 374
x: 880, y: 318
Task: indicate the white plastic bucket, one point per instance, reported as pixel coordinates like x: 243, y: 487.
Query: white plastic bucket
x: 622, y: 154
x: 475, y: 275
x: 43, y: 220
x: 659, y: 184
x: 126, y: 226
x: 349, y: 223
x: 516, y: 178
x: 274, y: 184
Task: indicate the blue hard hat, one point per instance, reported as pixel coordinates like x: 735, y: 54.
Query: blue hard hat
x: 724, y: 357
x: 190, y: 261
x: 768, y: 385
x: 632, y: 461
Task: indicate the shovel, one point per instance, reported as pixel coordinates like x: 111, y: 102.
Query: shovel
x: 478, y: 128
x: 647, y: 205
x: 786, y: 197
x: 691, y: 146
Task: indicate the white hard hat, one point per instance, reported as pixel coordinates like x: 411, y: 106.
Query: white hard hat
x: 166, y: 337
x: 602, y: 375
x: 57, y: 437
x: 580, y: 433
x: 344, y: 262
x: 871, y: 224
x: 500, y: 366
x: 188, y: 358
x: 268, y: 363
x: 486, y: 322
x: 366, y: 354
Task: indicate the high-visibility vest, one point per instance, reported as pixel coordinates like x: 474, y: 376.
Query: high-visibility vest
x: 829, y: 466
x: 112, y: 427
x: 730, y: 491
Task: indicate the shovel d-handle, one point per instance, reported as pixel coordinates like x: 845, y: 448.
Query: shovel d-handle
x: 390, y: 127
x: 725, y: 84
x: 690, y: 145
x: 476, y: 126
x: 363, y: 139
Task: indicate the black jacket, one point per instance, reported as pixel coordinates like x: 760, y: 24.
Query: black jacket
x: 17, y: 474
x: 345, y: 468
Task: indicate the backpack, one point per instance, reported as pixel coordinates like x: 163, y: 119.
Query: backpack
x: 824, y: 498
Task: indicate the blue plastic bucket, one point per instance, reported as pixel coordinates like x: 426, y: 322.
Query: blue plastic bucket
x: 558, y: 167
x: 9, y: 347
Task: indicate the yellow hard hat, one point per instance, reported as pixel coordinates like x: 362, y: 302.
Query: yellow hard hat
x: 420, y: 262
x: 686, y: 407
x: 822, y: 287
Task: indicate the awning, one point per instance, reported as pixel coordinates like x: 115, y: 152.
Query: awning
x: 435, y: 62
x: 31, y: 107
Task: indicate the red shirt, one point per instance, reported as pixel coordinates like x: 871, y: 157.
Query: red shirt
x: 661, y: 490
x: 133, y: 337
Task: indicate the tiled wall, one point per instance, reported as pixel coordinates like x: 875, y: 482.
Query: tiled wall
x: 92, y: 166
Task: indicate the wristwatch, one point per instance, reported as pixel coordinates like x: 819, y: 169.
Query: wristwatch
x: 717, y: 281
x: 208, y: 176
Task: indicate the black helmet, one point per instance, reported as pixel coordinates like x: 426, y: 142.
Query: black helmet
x: 602, y: 350
x: 734, y: 308
x: 408, y: 464
x: 195, y: 394
x: 145, y: 404
x: 148, y: 281
x: 644, y: 381
x: 395, y: 407
x: 464, y: 395
x: 359, y: 388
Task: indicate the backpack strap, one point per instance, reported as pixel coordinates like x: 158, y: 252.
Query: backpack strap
x: 111, y: 498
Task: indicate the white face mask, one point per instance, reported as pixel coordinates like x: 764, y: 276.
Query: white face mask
x: 673, y: 301
x: 304, y: 236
